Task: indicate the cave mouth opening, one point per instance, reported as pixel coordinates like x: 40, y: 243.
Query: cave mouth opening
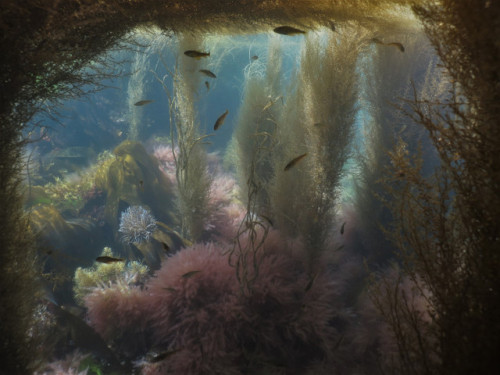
x: 57, y: 52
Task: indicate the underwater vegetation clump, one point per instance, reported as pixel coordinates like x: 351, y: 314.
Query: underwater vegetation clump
x: 136, y: 224
x: 193, y: 308
x: 386, y: 77
x: 133, y: 178
x: 316, y: 127
x: 70, y: 193
x: 283, y: 289
x: 254, y: 138
x: 193, y: 179
x: 70, y: 365
x: 446, y: 223
x: 100, y: 274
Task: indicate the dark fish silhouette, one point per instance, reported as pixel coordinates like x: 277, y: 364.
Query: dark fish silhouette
x: 190, y: 274
x: 288, y: 30
x: 397, y: 45
x: 271, y: 102
x: 255, y: 57
x: 294, y: 161
x: 268, y: 219
x: 208, y: 73
x: 310, y: 283
x: 140, y: 103
x: 220, y: 120
x: 338, y: 342
x: 339, y: 248
x: 196, y: 54
x: 393, y: 44
x: 164, y: 355
x: 207, y: 84
x: 342, y: 228
x: 108, y: 260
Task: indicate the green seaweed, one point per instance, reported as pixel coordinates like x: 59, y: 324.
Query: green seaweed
x: 133, y: 178
x: 91, y: 366
x: 101, y: 274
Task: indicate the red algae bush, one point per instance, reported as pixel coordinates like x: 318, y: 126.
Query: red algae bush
x: 117, y: 313
x: 193, y: 311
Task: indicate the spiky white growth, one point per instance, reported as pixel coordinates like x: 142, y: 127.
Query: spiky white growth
x: 137, y: 224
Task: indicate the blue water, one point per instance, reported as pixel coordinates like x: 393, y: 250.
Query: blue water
x: 101, y: 120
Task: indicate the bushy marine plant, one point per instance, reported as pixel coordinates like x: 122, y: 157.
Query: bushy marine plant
x: 387, y: 87
x: 188, y: 143
x: 317, y: 121
x: 100, y: 274
x: 137, y: 224
x: 133, y: 178
x: 447, y: 224
x: 194, y: 306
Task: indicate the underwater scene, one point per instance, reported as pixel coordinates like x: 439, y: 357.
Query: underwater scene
x: 202, y: 215
x: 304, y: 198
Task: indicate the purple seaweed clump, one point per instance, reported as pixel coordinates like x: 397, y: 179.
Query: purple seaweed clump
x: 116, y: 312
x: 193, y: 307
x: 136, y: 224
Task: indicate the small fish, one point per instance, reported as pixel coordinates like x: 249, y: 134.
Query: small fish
x: 288, y: 30
x: 310, y: 283
x: 196, y: 54
x: 266, y: 218
x: 342, y: 228
x: 268, y: 105
x: 170, y: 289
x: 394, y: 44
x: 339, y: 248
x: 165, y: 247
x: 255, y: 57
x: 220, y: 120
x: 108, y: 260
x: 338, y: 342
x: 332, y: 25
x: 208, y: 73
x: 140, y: 103
x: 141, y: 185
x: 271, y: 102
x: 318, y: 124
x: 294, y: 161
x: 397, y: 45
x: 190, y: 274
x: 207, y: 84
x: 163, y: 356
